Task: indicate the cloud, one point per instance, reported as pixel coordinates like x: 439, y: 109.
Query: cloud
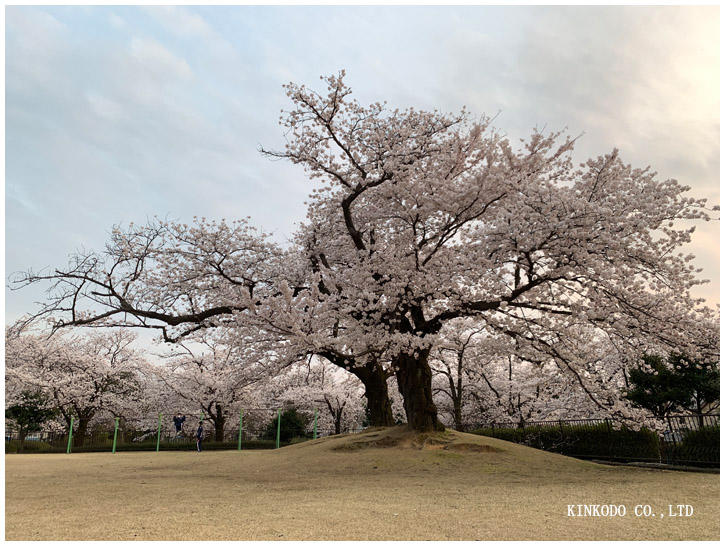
x: 181, y: 21
x: 104, y: 107
x: 116, y: 21
x: 159, y: 61
x: 164, y: 114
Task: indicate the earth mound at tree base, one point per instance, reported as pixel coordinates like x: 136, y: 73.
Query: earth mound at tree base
x: 402, y: 437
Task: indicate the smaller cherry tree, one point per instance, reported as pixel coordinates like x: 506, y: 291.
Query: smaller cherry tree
x: 482, y: 378
x: 315, y: 384
x: 215, y: 373
x: 83, y: 376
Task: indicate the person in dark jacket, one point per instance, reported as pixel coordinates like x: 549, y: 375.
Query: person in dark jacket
x: 179, y: 423
x: 199, y: 436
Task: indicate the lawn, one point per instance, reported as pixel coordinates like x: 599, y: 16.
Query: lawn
x: 381, y: 484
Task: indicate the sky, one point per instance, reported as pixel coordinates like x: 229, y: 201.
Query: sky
x: 119, y: 114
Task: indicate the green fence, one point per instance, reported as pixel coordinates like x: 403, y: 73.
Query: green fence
x: 253, y: 428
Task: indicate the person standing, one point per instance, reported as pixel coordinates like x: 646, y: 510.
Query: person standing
x: 199, y: 436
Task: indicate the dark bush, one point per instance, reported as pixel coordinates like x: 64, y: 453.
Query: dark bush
x: 696, y: 447
x: 585, y: 441
x: 293, y: 425
x: 29, y: 447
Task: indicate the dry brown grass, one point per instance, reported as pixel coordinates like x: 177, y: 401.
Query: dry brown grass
x: 383, y: 484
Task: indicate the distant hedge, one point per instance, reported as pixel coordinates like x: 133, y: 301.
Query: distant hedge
x: 147, y: 445
x: 585, y: 441
x: 30, y: 446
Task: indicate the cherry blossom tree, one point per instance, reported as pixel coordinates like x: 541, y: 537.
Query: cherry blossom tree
x: 456, y: 368
x: 214, y: 374
x: 421, y: 218
x: 317, y: 384
x: 417, y: 219
x: 83, y: 376
x: 481, y: 379
x: 184, y: 279
x: 174, y: 277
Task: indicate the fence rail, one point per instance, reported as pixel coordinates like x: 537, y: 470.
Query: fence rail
x: 690, y: 440
x: 254, y: 428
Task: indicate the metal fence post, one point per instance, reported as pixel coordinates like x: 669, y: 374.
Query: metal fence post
x: 70, y: 435
x: 279, y: 425
x: 314, y: 429
x: 158, y: 434
x: 239, y: 442
x: 115, y: 435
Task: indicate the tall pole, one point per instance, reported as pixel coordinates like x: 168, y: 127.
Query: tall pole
x: 314, y: 429
x: 239, y: 442
x: 279, y: 425
x: 158, y: 434
x: 70, y: 435
x: 115, y: 435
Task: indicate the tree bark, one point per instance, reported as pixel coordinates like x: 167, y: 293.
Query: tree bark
x: 457, y: 417
x: 380, y: 409
x: 338, y: 422
x: 415, y: 384
x: 458, y: 398
x: 21, y: 440
x: 79, y: 436
x: 219, y: 424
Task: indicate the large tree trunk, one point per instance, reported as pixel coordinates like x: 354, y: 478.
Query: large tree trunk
x: 21, y: 440
x: 79, y: 436
x: 219, y: 424
x: 380, y: 409
x: 415, y: 385
x: 457, y: 416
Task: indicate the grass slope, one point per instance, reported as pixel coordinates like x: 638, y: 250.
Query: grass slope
x: 381, y: 484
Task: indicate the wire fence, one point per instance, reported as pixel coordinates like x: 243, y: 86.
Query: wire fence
x: 690, y: 440
x: 253, y: 428
x: 687, y: 440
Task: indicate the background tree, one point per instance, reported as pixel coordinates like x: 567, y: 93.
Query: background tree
x: 656, y: 387
x: 292, y: 424
x: 83, y: 376
x: 702, y: 380
x: 29, y: 414
x: 317, y: 384
x: 213, y: 373
x: 677, y: 384
x: 494, y: 380
x: 453, y: 362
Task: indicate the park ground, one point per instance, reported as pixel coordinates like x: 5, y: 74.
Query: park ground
x: 381, y: 484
